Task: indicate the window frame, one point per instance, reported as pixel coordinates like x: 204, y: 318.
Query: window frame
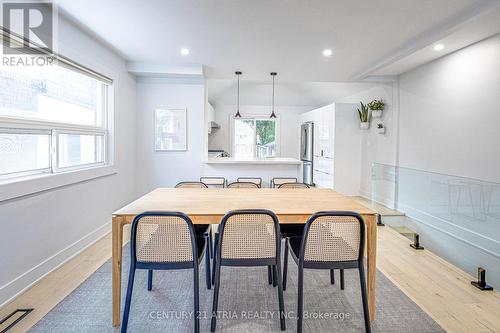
x: 27, y: 182
x: 255, y: 118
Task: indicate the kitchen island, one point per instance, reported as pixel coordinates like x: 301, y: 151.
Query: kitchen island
x: 266, y: 168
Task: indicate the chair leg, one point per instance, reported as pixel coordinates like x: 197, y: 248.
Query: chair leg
x: 342, y: 279
x: 270, y: 274
x: 196, y: 286
x: 150, y: 279
x: 214, y: 264
x: 285, y: 264
x: 280, y: 295
x: 207, y: 267
x: 128, y: 299
x: 275, y: 276
x: 216, y: 298
x: 300, y: 298
x: 210, y: 245
x: 364, y: 297
x: 332, y: 276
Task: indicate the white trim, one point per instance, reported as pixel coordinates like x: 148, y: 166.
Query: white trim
x: 17, y: 286
x: 18, y: 187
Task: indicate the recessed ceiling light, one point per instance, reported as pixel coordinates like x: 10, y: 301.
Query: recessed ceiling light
x: 327, y: 52
x: 438, y: 47
x: 184, y: 51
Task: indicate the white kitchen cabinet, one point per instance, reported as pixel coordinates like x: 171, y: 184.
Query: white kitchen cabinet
x: 337, y: 147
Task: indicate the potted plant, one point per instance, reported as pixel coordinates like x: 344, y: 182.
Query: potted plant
x: 364, y: 114
x: 380, y: 128
x: 376, y: 106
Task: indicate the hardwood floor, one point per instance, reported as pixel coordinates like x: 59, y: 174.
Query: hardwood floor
x: 439, y: 288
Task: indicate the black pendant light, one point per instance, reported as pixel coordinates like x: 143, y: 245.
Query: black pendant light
x: 238, y: 115
x: 273, y: 115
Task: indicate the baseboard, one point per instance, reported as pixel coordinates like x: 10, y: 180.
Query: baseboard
x: 14, y: 288
x: 381, y: 201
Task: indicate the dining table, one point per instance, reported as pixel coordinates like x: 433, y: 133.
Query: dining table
x: 209, y: 205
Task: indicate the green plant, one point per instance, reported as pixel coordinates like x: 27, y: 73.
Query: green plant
x: 376, y: 105
x: 363, y: 113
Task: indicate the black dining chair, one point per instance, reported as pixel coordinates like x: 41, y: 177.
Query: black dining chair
x: 242, y: 185
x: 331, y: 240
x: 204, y: 229
x: 165, y: 241
x: 277, y: 181
x: 213, y: 181
x: 248, y: 237
x: 293, y: 185
x: 255, y: 180
x: 191, y: 185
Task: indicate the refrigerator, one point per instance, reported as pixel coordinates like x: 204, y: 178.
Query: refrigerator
x: 306, y: 151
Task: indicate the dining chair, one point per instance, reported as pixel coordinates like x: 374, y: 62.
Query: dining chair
x: 248, y: 238
x: 255, y: 180
x: 242, y: 185
x: 331, y: 240
x: 293, y: 185
x: 191, y: 185
x: 292, y: 230
x: 277, y: 181
x: 165, y: 241
x: 205, y: 229
x: 213, y: 181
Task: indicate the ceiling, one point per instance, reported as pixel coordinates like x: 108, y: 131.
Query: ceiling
x: 310, y: 94
x: 261, y: 36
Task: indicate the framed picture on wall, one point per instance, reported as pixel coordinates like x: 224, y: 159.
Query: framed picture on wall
x: 170, y: 129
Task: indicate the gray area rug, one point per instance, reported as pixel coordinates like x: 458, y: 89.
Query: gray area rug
x: 247, y: 303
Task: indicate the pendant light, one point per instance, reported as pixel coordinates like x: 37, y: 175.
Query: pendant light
x: 238, y: 115
x: 273, y: 115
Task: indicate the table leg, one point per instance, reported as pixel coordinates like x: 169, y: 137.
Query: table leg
x: 371, y: 254
x: 117, y: 243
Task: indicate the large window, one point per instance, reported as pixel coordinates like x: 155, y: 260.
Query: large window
x: 254, y: 137
x: 53, y: 118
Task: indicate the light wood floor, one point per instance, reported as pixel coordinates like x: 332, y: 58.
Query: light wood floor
x: 439, y: 288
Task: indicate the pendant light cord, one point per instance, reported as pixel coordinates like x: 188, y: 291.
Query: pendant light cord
x: 273, y: 115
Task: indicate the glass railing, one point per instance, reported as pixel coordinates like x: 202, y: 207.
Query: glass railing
x: 465, y: 208
x: 383, y: 179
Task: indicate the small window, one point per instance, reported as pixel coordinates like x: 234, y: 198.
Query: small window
x: 24, y: 153
x: 254, y: 137
x: 53, y: 118
x: 79, y: 150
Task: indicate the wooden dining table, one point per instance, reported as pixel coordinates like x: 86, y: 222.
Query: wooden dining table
x: 208, y: 206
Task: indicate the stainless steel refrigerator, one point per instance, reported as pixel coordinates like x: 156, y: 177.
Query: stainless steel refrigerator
x: 306, y: 151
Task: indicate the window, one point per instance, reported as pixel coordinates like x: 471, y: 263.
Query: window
x: 53, y: 118
x: 255, y: 137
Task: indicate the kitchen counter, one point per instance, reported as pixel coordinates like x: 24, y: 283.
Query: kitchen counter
x: 254, y: 160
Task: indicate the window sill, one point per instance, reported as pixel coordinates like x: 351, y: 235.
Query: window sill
x: 15, y: 188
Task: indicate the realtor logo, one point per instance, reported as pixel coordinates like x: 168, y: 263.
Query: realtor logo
x: 30, y: 21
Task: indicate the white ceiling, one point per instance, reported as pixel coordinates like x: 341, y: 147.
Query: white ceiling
x: 260, y: 36
x: 310, y: 94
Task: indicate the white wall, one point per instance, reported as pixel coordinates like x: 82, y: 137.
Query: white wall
x: 378, y: 148
x: 450, y: 113
x: 155, y: 169
x: 41, y: 231
x: 288, y: 117
x: 449, y: 125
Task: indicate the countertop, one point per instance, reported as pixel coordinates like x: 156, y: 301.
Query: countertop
x: 254, y: 160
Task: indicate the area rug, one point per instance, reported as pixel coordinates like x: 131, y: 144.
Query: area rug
x: 247, y: 303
